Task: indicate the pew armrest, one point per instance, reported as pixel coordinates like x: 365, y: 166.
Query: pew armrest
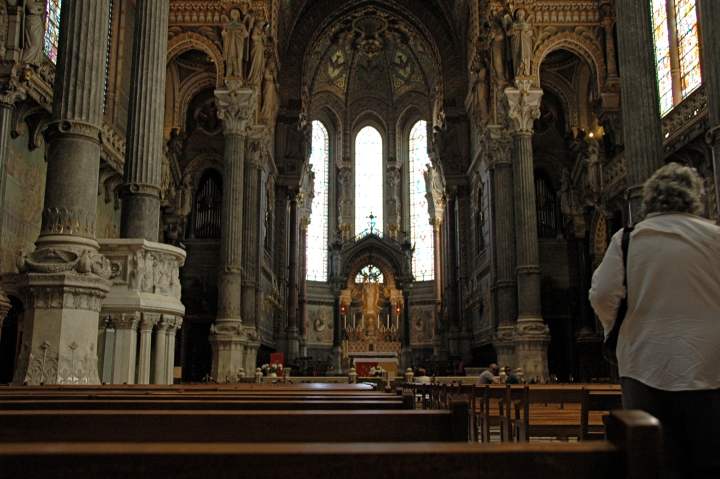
x: 639, y: 436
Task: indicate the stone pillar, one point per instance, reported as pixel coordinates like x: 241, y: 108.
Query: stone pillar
x: 531, y: 334
x: 125, y: 348
x: 144, y: 352
x: 235, y: 108
x: 141, y: 188
x: 406, y: 352
x: 302, y: 285
x: 504, y: 286
x: 106, y: 351
x: 449, y: 252
x: 251, y: 236
x: 438, y: 349
x: 160, y: 351
x: 293, y: 343
x: 640, y: 109
x: 66, y: 278
x: 173, y: 327
x: 10, y: 93
x: 709, y: 11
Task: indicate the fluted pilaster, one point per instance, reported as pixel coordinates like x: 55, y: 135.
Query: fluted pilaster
x: 251, y: 231
x: 709, y: 11
x: 160, y: 351
x: 143, y: 163
x: 638, y: 86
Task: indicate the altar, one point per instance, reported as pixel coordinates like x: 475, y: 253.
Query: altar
x: 363, y: 362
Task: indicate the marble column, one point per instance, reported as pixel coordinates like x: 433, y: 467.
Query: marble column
x: 504, y: 287
x: 160, y: 350
x: 640, y: 109
x: 10, y: 93
x: 143, y: 163
x: 145, y: 350
x: 235, y: 108
x: 438, y: 347
x: 709, y: 11
x: 173, y: 327
x: 531, y: 333
x: 124, y: 359
x: 293, y: 344
x: 66, y: 278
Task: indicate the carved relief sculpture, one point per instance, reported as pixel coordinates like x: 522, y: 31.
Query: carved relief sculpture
x: 270, y: 94
x: 477, y: 100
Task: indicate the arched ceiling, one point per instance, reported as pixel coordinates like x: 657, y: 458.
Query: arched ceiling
x: 406, y: 43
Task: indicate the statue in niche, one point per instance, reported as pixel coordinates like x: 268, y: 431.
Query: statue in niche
x: 270, y: 94
x: 34, y: 32
x: 370, y: 305
x: 499, y: 48
x: 257, y: 55
x: 478, y: 94
x: 521, y: 44
x: 438, y: 110
x: 594, y: 171
x: 235, y: 36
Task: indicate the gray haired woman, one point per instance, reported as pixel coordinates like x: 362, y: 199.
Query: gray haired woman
x: 669, y: 344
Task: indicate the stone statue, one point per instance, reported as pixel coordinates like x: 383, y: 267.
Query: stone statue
x: 438, y: 111
x: 34, y: 32
x: 270, y: 94
x: 370, y: 304
x: 594, y: 172
x: 521, y: 43
x: 478, y: 94
x: 257, y: 55
x: 499, y: 49
x: 184, y: 197
x: 235, y: 40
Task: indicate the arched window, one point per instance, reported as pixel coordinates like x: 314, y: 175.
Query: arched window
x: 208, y: 204
x: 317, y: 235
x: 548, y: 209
x: 368, y: 182
x: 371, y: 274
x: 677, y: 50
x: 421, y: 231
x: 52, y: 28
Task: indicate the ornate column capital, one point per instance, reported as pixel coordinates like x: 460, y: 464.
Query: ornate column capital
x: 524, y: 106
x: 236, y: 108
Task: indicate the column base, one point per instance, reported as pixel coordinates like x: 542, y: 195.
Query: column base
x: 532, y: 337
x: 61, y: 328
x: 504, y: 343
x: 234, y: 349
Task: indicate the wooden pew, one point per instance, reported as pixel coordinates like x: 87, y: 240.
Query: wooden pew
x: 632, y: 453
x: 594, y: 401
x: 230, y: 426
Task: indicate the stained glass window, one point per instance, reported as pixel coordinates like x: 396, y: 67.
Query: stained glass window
x: 688, y: 45
x: 371, y: 274
x: 661, y: 37
x: 676, y: 46
x: 368, y: 182
x: 316, y: 252
x: 52, y: 28
x: 421, y: 231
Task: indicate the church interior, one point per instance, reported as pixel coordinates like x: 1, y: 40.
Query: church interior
x: 234, y: 193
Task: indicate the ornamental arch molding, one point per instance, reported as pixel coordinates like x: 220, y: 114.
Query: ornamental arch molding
x: 194, y: 41
x: 585, y: 48
x: 188, y: 89
x: 201, y: 163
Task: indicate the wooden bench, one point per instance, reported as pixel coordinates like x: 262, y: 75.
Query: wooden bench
x: 631, y: 453
x: 597, y: 401
x: 230, y: 426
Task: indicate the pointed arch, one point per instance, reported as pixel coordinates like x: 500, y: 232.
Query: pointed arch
x: 316, y: 252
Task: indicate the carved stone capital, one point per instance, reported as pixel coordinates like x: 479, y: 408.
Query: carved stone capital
x: 88, y: 131
x: 62, y: 221
x: 236, y: 108
x: 126, y: 321
x: 523, y: 106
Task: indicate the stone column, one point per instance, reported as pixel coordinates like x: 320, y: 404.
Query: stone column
x: 125, y: 348
x: 160, y: 351
x: 438, y: 349
x: 141, y: 188
x: 531, y: 334
x: 608, y: 24
x: 302, y: 285
x: 640, y: 108
x: 450, y: 306
x: 144, y: 352
x: 106, y: 351
x: 66, y: 278
x: 504, y: 286
x: 406, y: 352
x: 251, y: 236
x: 709, y: 11
x: 293, y: 343
x: 235, y: 108
x: 173, y: 327
x: 10, y: 93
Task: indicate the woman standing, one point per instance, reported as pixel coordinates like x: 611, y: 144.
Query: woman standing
x: 669, y: 344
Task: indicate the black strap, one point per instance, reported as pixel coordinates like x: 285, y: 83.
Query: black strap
x: 625, y: 245
x: 612, y: 338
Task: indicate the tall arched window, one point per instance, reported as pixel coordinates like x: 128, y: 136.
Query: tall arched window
x: 368, y: 181
x: 421, y: 232
x: 677, y: 50
x: 208, y: 204
x: 52, y: 28
x: 317, y: 235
